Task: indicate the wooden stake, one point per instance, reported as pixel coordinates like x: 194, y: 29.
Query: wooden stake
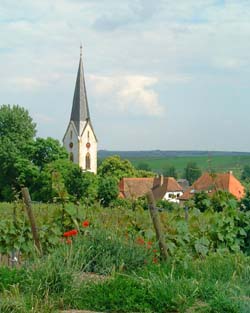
x: 27, y: 201
x: 157, y: 225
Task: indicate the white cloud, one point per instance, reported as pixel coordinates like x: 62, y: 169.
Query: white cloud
x: 42, y: 118
x: 229, y: 63
x: 133, y: 94
x: 25, y: 83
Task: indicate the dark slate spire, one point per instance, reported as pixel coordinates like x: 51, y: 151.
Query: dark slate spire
x: 80, y: 108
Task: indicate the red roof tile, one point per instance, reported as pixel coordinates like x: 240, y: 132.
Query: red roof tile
x: 138, y: 187
x: 213, y: 182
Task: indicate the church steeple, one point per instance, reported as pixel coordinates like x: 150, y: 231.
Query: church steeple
x: 80, y: 140
x: 80, y: 109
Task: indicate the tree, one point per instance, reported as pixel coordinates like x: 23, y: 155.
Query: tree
x: 143, y: 166
x: 246, y: 173
x: 245, y: 202
x: 17, y: 125
x: 82, y: 185
x: 44, y: 151
x: 116, y: 167
x: 192, y: 172
x: 17, y: 130
x: 170, y: 171
x: 107, y: 190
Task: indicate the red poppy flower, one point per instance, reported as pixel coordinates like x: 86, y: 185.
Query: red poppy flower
x: 69, y: 241
x: 140, y: 241
x: 70, y: 233
x: 155, y: 260
x: 85, y: 223
x: 149, y: 244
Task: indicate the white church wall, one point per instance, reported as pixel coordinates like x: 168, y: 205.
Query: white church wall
x: 70, y: 142
x: 88, y: 137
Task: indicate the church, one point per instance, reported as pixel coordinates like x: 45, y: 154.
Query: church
x: 80, y: 140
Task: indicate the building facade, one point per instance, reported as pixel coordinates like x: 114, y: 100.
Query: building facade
x: 80, y: 140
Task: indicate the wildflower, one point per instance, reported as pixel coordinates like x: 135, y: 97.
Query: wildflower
x: 85, y: 223
x: 149, y: 244
x: 155, y: 251
x: 155, y: 260
x: 70, y: 233
x: 140, y: 241
x: 69, y: 241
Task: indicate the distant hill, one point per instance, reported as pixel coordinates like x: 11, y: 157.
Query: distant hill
x: 162, y: 154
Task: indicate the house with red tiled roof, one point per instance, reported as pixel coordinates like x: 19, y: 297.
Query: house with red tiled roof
x: 212, y: 182
x: 165, y: 188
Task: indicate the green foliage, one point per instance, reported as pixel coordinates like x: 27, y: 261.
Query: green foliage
x: 82, y: 185
x: 166, y: 205
x: 192, y: 172
x: 170, y: 171
x: 246, y: 173
x: 107, y: 190
x: 22, y: 158
x: 218, y: 201
x: 143, y: 166
x: 116, y: 167
x: 16, y: 125
x: 194, y: 278
x: 44, y: 151
x: 245, y: 202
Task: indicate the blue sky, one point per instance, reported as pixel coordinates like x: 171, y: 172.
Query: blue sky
x: 164, y: 74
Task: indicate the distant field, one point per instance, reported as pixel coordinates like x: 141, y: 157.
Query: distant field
x: 217, y: 163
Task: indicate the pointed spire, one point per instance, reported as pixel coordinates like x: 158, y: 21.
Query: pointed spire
x: 80, y: 110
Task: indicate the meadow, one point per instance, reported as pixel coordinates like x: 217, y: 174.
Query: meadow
x: 111, y: 260
x: 219, y: 163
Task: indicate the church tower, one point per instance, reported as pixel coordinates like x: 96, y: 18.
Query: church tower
x: 80, y: 140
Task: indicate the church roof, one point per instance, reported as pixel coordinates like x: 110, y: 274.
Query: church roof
x: 80, y: 109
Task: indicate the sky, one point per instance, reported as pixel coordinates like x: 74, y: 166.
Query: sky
x: 168, y: 75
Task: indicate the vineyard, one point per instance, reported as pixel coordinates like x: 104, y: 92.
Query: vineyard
x: 207, y: 269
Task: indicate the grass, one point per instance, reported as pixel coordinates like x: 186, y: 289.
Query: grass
x: 217, y: 163
x: 217, y: 283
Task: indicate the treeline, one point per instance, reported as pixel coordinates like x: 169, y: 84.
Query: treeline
x: 43, y: 166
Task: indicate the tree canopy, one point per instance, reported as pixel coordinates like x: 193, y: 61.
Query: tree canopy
x: 192, y: 172
x: 16, y: 125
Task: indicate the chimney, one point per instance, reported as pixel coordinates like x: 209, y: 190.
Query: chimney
x: 161, y: 180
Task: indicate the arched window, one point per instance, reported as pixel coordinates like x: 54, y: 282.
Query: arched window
x: 71, y: 157
x: 87, y: 160
x: 71, y: 134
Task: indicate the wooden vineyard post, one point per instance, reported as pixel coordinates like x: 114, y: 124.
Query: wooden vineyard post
x: 27, y: 202
x: 157, y: 225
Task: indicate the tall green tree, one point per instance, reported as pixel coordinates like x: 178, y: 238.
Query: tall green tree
x: 116, y: 167
x: 17, y: 130
x: 16, y: 125
x: 246, y: 173
x: 192, y: 172
x: 170, y: 171
x: 44, y: 151
x: 107, y: 190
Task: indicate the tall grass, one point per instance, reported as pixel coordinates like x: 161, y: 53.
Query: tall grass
x: 217, y: 283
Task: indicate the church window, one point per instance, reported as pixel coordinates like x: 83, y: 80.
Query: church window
x: 87, y: 160
x: 71, y: 157
x: 71, y: 134
x: 88, y: 135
